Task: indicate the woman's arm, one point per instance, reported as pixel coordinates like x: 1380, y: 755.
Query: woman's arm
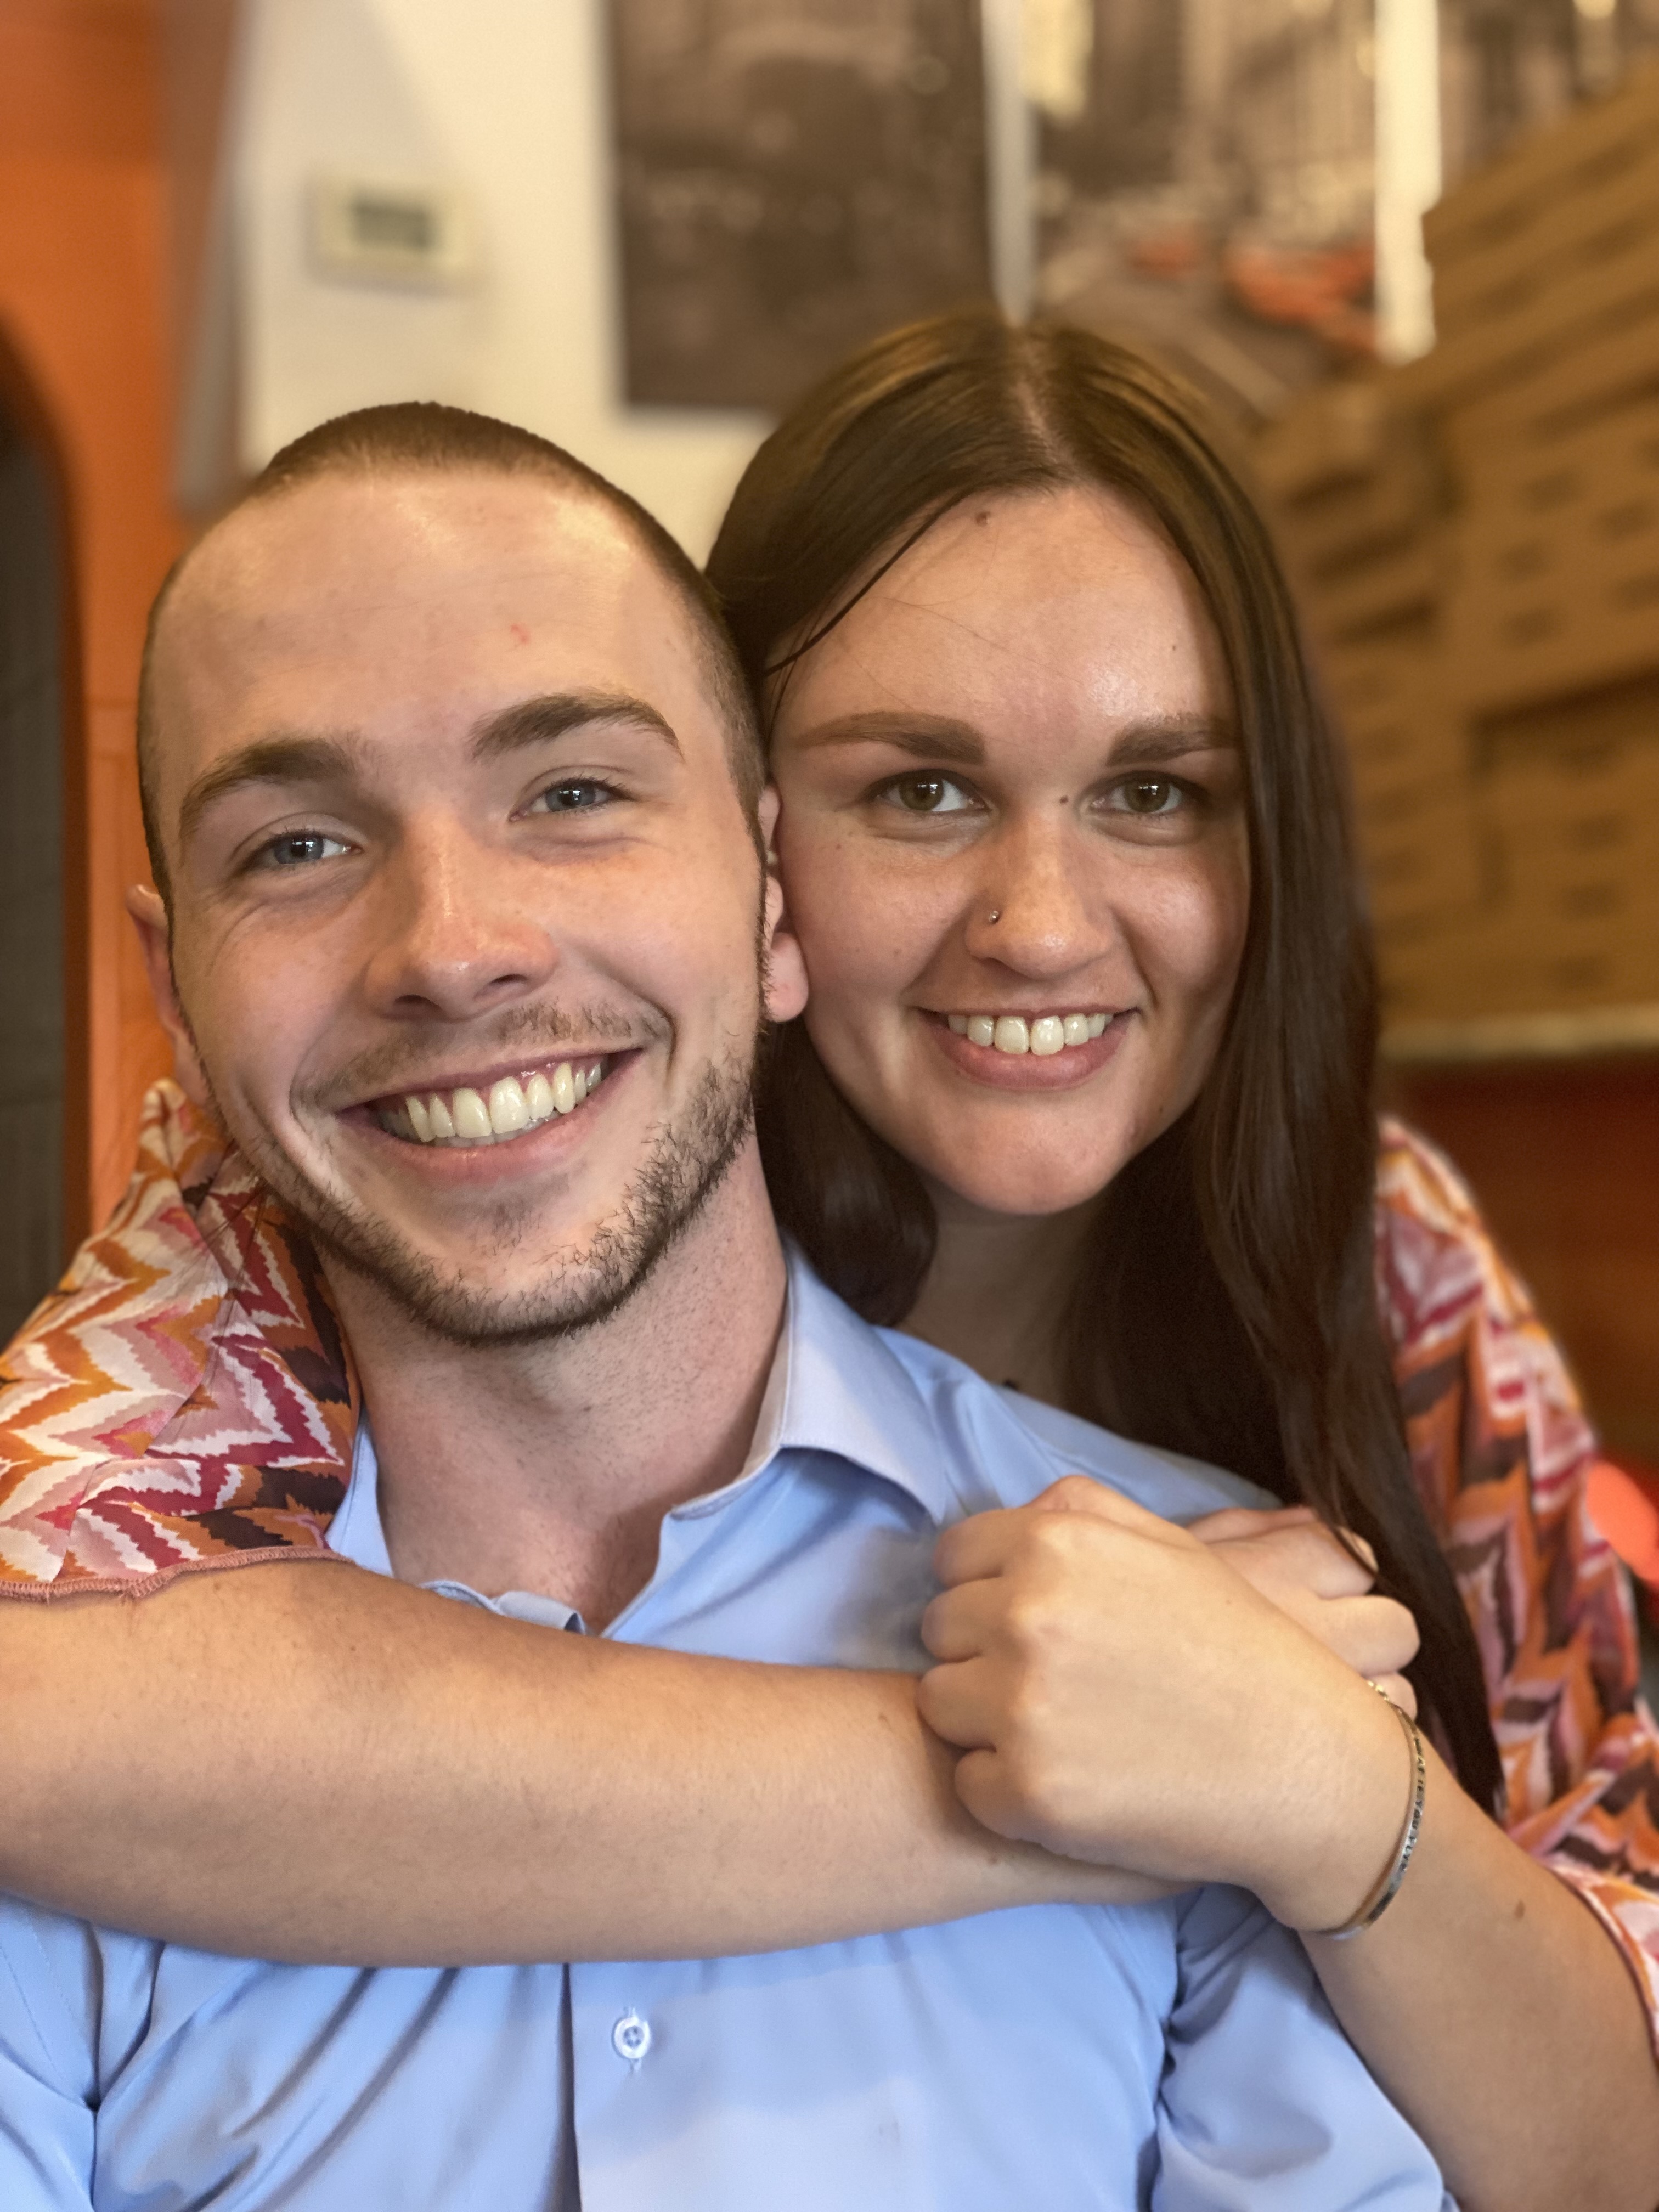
x: 1514, y: 2020
x: 1119, y: 1692
x: 320, y: 1764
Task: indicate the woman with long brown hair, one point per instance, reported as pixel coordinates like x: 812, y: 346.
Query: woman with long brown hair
x: 1055, y: 783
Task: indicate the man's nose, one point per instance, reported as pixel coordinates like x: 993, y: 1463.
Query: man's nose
x: 1032, y: 909
x: 457, y: 932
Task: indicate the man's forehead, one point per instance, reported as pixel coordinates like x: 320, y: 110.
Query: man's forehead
x: 387, y: 540
x: 346, y: 590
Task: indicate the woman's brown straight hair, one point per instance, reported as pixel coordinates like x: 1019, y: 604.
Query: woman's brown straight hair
x: 1229, y: 1308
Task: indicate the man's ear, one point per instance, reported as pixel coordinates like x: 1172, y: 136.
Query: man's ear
x: 149, y: 919
x: 786, y: 967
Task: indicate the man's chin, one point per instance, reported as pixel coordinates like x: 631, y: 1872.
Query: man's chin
x: 516, y: 1282
x: 466, y: 1303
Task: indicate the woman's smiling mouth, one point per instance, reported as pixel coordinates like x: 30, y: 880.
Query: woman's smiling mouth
x: 1030, y: 1052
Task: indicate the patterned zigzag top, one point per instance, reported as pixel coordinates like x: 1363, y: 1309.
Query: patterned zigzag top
x: 183, y: 1398
x: 185, y: 1401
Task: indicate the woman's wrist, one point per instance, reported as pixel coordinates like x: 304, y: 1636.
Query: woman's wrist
x: 1350, y: 1796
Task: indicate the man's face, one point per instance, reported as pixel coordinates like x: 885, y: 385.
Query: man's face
x: 452, y: 826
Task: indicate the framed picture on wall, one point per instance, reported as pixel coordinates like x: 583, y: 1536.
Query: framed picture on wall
x: 794, y: 176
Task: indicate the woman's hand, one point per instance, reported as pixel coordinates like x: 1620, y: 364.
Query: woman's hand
x: 1123, y: 1693
x: 1296, y: 1563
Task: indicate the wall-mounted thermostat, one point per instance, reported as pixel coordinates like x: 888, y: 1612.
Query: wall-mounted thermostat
x: 366, y: 231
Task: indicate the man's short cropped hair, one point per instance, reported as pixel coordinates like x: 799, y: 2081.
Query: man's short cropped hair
x: 422, y: 437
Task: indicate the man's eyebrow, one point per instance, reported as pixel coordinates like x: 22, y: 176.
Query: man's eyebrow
x: 537, y: 721
x: 929, y: 736
x: 268, y: 760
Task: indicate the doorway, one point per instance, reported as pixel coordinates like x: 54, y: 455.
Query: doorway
x: 32, y: 762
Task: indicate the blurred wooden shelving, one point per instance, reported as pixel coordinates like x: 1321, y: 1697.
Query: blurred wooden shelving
x: 1591, y: 1033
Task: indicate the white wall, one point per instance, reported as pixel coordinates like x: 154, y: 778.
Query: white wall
x: 505, y: 100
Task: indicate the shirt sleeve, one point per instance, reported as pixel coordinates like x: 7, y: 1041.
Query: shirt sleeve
x: 1266, y: 2107
x: 1501, y: 1450
x: 46, y: 2117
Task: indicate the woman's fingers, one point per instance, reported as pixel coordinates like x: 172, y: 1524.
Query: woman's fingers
x: 1397, y: 1687
x: 1080, y: 1493
x: 1373, y: 1635
x: 960, y: 1623
x: 958, y: 1702
x: 971, y: 1550
x: 983, y: 1544
x: 1274, y: 1556
x: 1233, y: 1522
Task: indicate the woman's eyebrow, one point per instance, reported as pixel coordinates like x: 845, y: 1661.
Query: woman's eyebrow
x: 1171, y: 737
x: 929, y: 736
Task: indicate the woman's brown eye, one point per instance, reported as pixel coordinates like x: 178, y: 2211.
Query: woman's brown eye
x: 1149, y: 794
x: 922, y: 795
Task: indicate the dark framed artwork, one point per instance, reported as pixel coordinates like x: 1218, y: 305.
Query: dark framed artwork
x: 794, y: 176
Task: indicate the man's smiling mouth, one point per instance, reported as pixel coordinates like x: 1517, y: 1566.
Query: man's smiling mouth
x: 510, y: 1108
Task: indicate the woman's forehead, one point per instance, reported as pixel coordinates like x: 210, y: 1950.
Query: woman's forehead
x: 1058, y: 602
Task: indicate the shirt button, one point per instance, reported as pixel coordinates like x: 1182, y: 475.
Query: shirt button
x: 630, y: 2038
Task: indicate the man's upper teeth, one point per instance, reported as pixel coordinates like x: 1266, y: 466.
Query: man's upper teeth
x: 465, y: 1116
x: 1012, y: 1033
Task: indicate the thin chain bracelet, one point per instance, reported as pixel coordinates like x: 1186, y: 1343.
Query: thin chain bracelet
x: 1383, y: 1896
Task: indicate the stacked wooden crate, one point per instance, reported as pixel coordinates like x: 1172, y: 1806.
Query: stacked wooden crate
x: 1507, y: 725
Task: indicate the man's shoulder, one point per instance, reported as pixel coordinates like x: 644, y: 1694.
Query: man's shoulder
x: 1001, y: 1448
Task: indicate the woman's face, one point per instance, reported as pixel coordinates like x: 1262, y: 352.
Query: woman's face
x: 1013, y: 846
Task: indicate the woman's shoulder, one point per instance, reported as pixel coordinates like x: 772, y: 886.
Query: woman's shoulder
x: 1483, y: 1387
x: 1438, y: 1262
x: 183, y: 1398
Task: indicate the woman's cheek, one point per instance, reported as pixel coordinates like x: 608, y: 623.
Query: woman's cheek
x: 1188, y: 928
x: 854, y: 913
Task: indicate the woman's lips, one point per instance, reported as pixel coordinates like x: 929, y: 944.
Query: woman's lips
x: 1028, y: 1071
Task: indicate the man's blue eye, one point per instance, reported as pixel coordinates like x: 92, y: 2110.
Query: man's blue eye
x: 573, y: 797
x: 300, y: 848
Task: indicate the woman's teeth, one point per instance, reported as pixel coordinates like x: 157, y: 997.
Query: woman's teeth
x: 468, y: 1117
x: 1012, y: 1033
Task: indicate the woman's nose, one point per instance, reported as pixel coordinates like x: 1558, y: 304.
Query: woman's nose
x: 1029, y: 910
x: 456, y: 935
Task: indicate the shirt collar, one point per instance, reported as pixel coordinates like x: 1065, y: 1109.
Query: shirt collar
x: 836, y: 1386
x: 846, y: 1391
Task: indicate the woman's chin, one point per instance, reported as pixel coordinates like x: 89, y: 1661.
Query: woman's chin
x: 1027, y: 1189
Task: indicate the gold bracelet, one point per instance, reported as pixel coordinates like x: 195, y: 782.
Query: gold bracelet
x: 1378, y: 1903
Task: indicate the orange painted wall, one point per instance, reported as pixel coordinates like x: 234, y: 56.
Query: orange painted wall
x: 82, y: 309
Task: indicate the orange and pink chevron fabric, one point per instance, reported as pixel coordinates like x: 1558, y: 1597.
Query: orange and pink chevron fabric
x: 185, y: 1401
x: 183, y: 1398
x: 1502, y: 1451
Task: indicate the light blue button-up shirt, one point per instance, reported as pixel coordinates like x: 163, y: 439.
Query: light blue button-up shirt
x: 1175, y: 2055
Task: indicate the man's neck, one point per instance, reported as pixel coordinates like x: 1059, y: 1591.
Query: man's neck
x: 549, y: 1467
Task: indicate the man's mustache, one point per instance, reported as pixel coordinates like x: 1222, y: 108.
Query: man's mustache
x: 403, y: 1062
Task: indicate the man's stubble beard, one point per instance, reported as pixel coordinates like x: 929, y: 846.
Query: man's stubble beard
x: 688, y: 1160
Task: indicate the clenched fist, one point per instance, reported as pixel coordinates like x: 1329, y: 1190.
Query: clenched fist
x: 1156, y: 1698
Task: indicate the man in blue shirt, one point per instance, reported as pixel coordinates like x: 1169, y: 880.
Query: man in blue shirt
x: 452, y: 797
